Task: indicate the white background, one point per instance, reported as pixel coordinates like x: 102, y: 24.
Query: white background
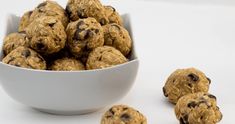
x: 169, y: 34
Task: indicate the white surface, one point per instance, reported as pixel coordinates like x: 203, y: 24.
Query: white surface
x: 169, y: 36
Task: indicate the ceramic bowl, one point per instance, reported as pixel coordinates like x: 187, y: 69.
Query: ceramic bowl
x: 68, y: 93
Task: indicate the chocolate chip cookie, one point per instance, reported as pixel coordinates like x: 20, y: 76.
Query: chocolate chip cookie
x: 26, y: 58
x: 67, y: 64
x: 122, y: 114
x: 86, y: 8
x: 113, y: 15
x: 14, y: 40
x: 47, y: 35
x: 117, y: 37
x: 84, y: 35
x: 24, y: 21
x: 103, y: 57
x: 185, y: 81
x: 198, y: 108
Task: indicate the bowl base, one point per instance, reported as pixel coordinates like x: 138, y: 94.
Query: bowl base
x: 67, y: 113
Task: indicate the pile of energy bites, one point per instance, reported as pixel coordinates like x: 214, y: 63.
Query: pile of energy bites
x: 85, y: 35
x: 188, y: 89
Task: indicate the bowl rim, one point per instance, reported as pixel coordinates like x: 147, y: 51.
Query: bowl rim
x: 128, y: 25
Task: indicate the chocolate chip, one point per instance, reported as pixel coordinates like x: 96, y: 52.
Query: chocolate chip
x: 193, y: 77
x: 111, y: 111
x: 103, y: 21
x: 211, y: 96
x: 68, y: 11
x: 80, y: 23
x: 112, y: 8
x: 164, y: 92
x: 97, y: 31
x: 81, y: 13
x: 182, y: 121
x: 192, y: 104
x: 125, y: 108
x: 125, y: 117
x: 26, y: 53
x: 209, y: 80
x: 88, y: 34
x: 77, y: 34
x: 51, y: 24
x: 40, y: 46
x: 185, y: 119
x: 30, y: 13
x: 42, y: 5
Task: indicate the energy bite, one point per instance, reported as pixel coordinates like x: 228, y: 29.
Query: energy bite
x: 185, y: 81
x: 14, y: 40
x: 117, y: 37
x: 86, y: 8
x: 122, y: 114
x: 113, y: 15
x: 26, y: 58
x: 198, y: 108
x: 24, y: 21
x: 84, y: 35
x: 67, y: 64
x: 103, y: 57
x: 47, y: 35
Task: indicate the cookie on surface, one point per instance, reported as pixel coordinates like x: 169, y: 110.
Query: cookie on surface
x: 198, y: 108
x: 185, y: 81
x: 122, y: 114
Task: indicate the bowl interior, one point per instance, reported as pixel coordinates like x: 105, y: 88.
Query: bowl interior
x: 12, y: 22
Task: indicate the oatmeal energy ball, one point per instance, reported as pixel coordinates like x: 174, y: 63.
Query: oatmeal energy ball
x: 67, y: 64
x: 86, y: 8
x: 26, y: 58
x: 103, y: 57
x: 24, y: 21
x: 185, y: 81
x: 198, y: 108
x: 47, y: 8
x: 117, y: 37
x: 84, y: 35
x: 47, y: 35
x: 113, y: 15
x: 14, y: 40
x: 122, y: 114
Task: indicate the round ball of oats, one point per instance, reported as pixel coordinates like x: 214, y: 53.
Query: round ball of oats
x: 24, y: 21
x: 86, y: 8
x: 26, y: 58
x: 14, y: 40
x: 113, y: 15
x: 122, y: 114
x: 84, y: 35
x: 67, y: 64
x: 47, y: 35
x: 198, y: 108
x: 103, y: 57
x: 185, y: 81
x: 117, y: 37
x: 47, y: 8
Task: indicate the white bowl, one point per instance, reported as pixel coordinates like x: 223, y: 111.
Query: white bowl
x: 68, y: 93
